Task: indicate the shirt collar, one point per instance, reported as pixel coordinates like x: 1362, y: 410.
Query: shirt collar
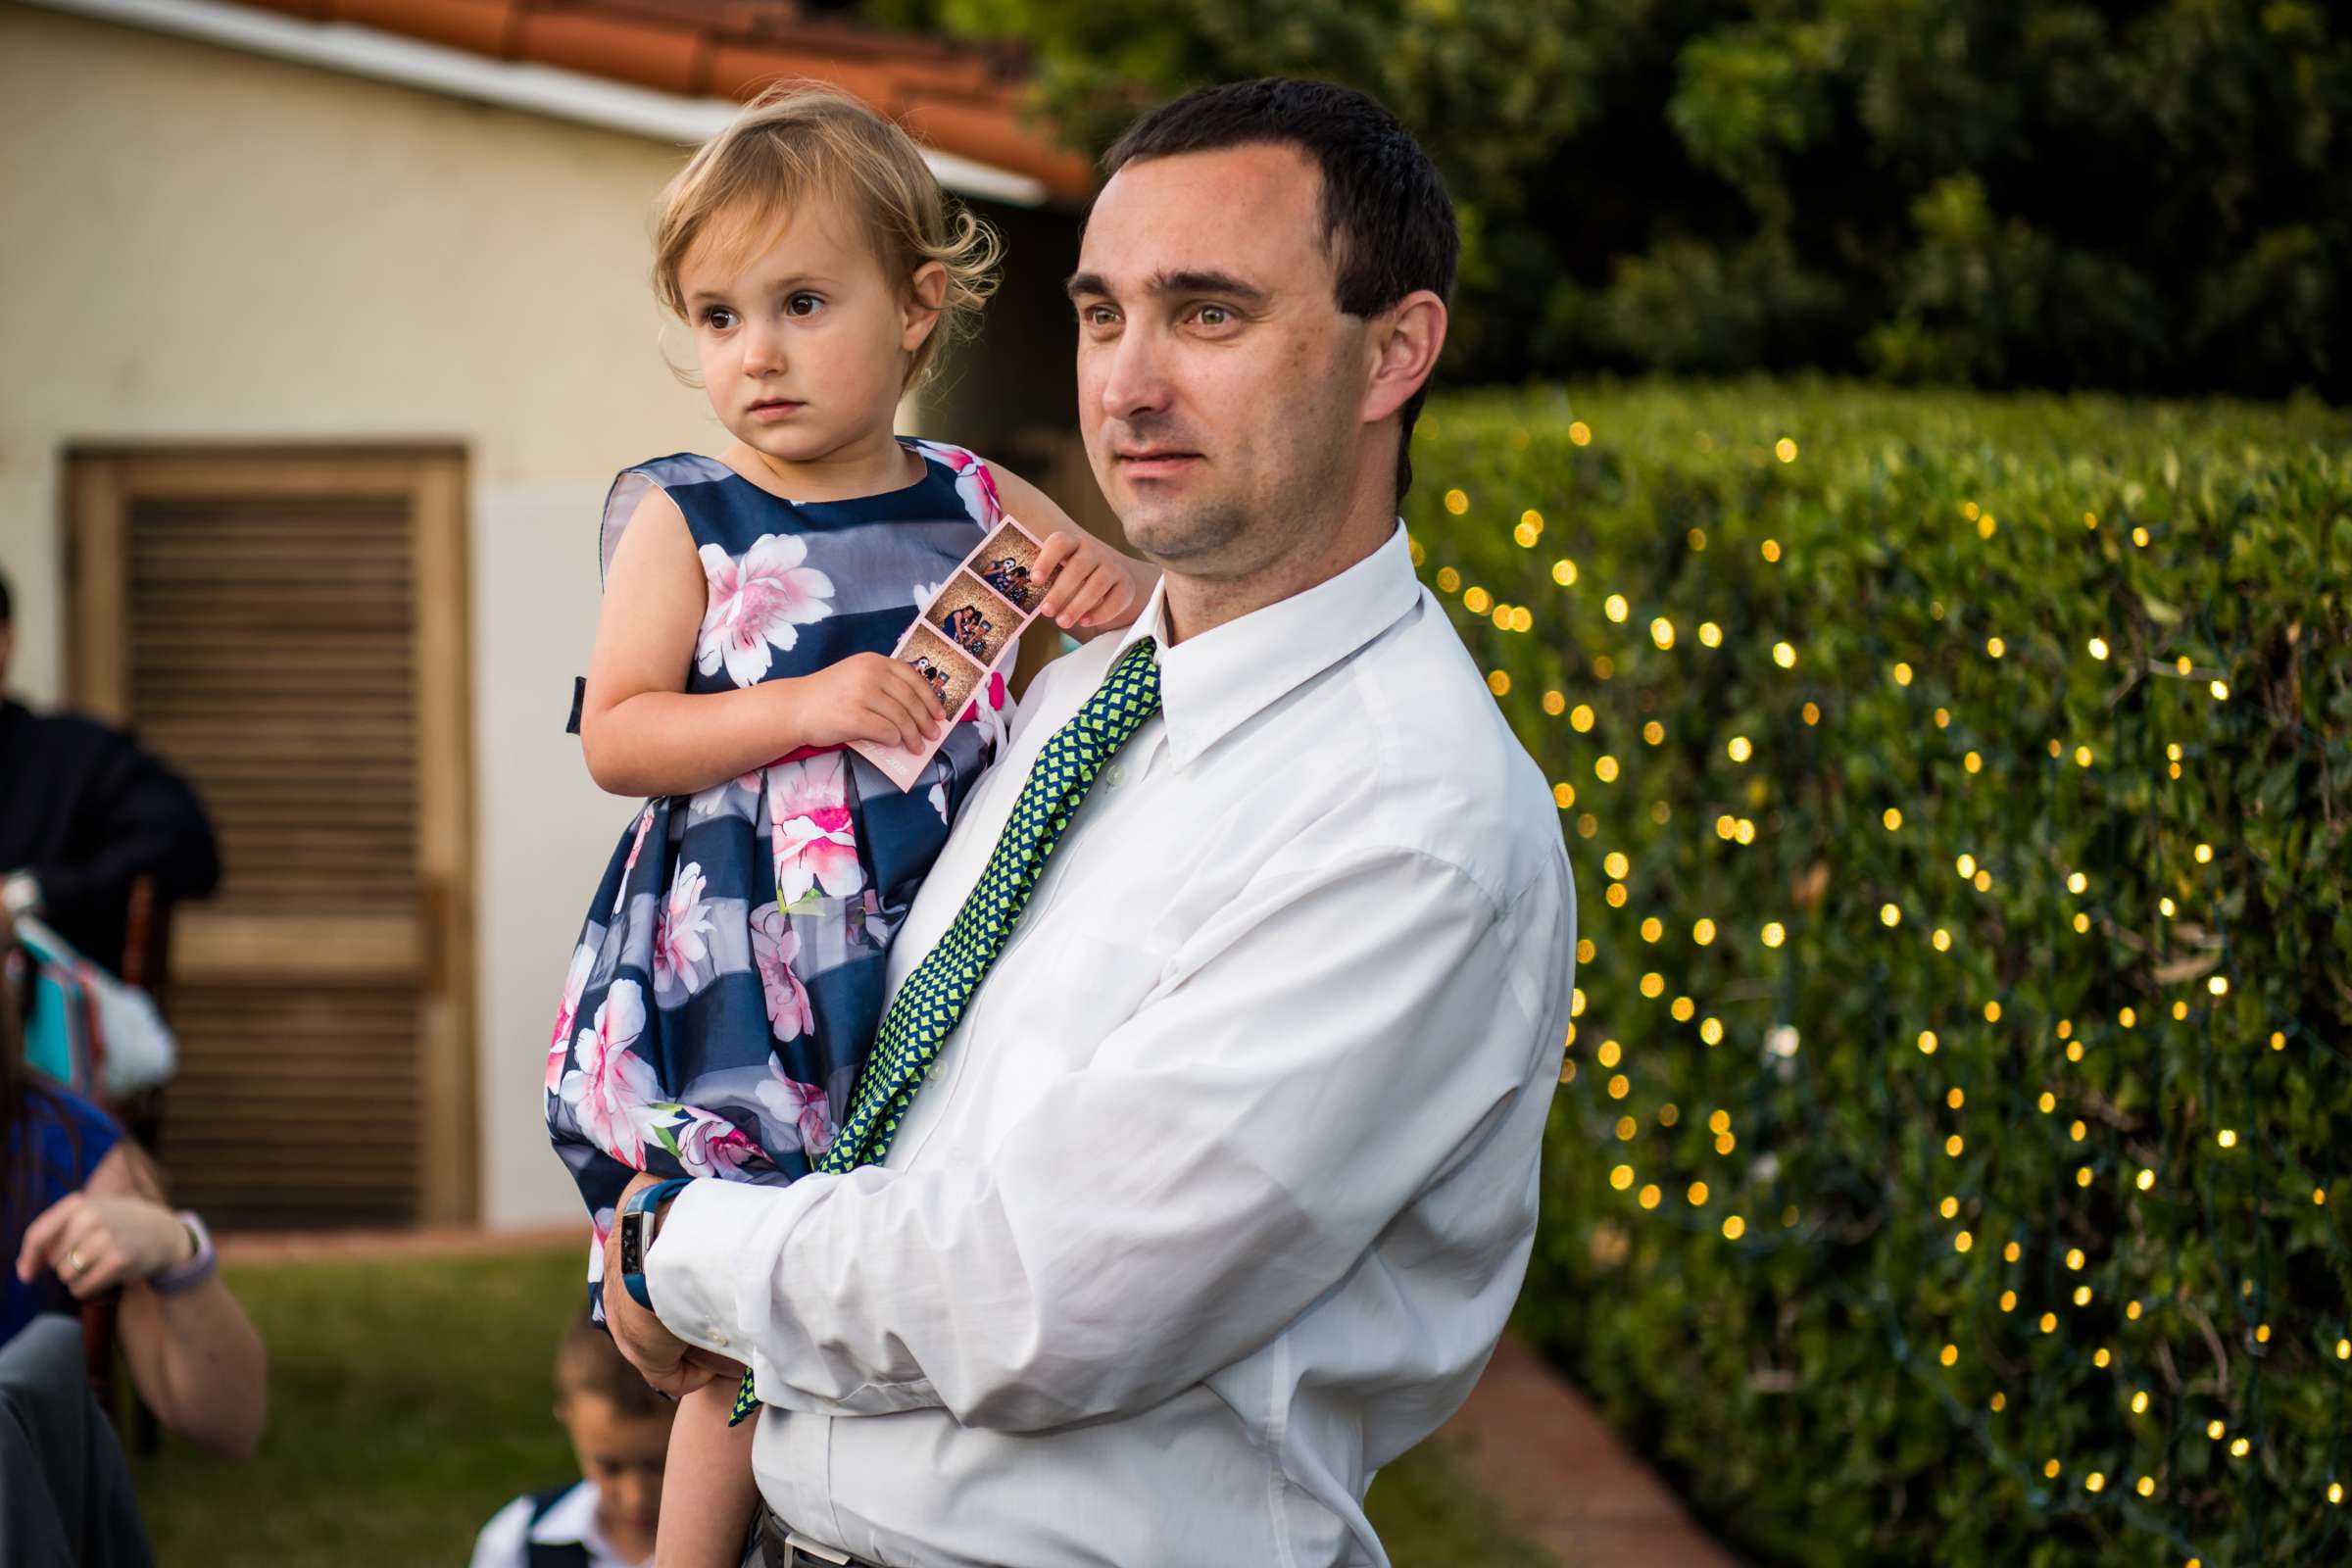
x: 571, y: 1522
x: 1213, y: 683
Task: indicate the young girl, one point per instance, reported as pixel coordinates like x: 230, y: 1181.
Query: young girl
x: 729, y: 978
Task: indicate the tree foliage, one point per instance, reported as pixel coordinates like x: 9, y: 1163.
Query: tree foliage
x: 2147, y: 196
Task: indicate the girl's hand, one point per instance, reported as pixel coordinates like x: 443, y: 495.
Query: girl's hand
x: 1087, y: 582
x: 95, y: 1243
x: 866, y: 697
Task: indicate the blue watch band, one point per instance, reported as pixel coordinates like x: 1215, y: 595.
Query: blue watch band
x: 636, y: 1242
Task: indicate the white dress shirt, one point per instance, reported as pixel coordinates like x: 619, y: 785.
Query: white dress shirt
x: 1221, y: 1191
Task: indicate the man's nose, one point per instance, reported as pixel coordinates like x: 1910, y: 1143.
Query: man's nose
x: 1136, y: 382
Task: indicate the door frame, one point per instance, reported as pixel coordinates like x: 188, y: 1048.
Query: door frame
x: 101, y: 483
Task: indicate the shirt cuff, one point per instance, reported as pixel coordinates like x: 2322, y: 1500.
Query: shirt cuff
x: 697, y: 1270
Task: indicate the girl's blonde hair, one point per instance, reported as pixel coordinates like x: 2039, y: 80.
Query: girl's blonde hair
x: 800, y: 140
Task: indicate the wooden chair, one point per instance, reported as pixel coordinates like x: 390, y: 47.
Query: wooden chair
x: 146, y: 961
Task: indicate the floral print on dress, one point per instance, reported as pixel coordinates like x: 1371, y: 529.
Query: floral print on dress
x: 974, y: 482
x: 682, y: 941
x: 713, y: 1145
x: 794, y: 1104
x: 773, y: 948
x: 809, y: 802
x: 611, y: 1090
x: 575, y: 981
x: 760, y: 601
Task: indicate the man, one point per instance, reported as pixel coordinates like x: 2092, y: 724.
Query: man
x: 84, y: 814
x: 1224, y: 1176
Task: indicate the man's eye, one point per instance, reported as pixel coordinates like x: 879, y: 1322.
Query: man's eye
x: 1213, y: 315
x: 1097, y: 316
x: 804, y: 305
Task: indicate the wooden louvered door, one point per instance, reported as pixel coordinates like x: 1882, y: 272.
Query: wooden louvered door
x: 289, y: 631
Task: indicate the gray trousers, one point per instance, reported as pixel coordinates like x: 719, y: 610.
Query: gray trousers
x: 65, y: 1491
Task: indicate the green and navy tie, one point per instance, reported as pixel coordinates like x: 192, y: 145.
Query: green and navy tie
x: 928, y: 1007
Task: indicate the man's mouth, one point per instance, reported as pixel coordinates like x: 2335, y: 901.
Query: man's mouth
x: 1147, y: 461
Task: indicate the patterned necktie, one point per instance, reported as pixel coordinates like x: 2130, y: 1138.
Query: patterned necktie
x: 928, y: 1007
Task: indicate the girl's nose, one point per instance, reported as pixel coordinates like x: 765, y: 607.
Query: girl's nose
x: 763, y: 351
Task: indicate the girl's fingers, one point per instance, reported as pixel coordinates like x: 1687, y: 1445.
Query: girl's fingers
x: 917, y: 694
x: 887, y: 724
x: 1058, y: 547
x: 1096, y: 604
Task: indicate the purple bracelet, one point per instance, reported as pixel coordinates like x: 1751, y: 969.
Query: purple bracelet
x: 197, y: 1269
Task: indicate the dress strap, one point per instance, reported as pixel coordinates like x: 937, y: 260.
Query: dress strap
x: 975, y: 483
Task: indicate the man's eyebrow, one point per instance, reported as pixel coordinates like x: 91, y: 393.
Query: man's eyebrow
x: 1187, y: 280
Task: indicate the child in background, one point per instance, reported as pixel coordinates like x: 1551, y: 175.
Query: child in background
x: 728, y: 981
x: 620, y: 1436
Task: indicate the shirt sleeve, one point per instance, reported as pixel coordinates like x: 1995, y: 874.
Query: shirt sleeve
x: 502, y: 1542
x: 1332, y: 1048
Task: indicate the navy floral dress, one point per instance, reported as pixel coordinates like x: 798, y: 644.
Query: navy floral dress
x: 728, y: 980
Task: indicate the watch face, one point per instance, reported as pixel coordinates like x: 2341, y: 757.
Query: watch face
x: 632, y: 1243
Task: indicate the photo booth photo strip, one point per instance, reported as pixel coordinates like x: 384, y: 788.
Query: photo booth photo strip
x: 963, y: 631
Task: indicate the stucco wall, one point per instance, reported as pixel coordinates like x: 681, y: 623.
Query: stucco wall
x: 204, y: 246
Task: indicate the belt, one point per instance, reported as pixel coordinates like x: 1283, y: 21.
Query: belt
x: 782, y: 1546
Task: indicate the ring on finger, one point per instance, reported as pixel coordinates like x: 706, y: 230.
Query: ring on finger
x: 76, y: 1263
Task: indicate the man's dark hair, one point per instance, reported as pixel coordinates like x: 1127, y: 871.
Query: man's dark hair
x: 1387, y: 219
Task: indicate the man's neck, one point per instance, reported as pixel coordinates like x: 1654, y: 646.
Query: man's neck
x: 1194, y: 605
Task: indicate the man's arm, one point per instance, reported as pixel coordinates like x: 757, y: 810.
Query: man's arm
x: 1335, y: 1044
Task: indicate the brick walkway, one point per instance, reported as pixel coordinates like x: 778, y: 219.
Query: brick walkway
x: 1525, y: 1436
x: 1569, y: 1485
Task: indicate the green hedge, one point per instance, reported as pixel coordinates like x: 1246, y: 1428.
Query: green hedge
x: 1992, y: 805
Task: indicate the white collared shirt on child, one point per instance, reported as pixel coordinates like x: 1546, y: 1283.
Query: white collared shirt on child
x: 568, y: 1526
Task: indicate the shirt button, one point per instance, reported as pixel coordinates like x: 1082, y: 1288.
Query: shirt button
x: 1116, y: 773
x: 717, y: 1338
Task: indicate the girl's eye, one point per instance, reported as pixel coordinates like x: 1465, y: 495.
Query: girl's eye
x: 804, y: 305
x: 719, y: 318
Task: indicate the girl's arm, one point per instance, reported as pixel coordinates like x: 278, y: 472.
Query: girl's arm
x: 707, y: 1489
x: 644, y: 736
x: 1092, y: 588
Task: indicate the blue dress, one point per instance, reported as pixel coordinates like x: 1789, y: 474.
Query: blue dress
x: 728, y: 980
x: 61, y: 1138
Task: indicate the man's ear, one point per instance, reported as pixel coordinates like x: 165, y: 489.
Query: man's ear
x: 926, y: 297
x: 1407, y: 339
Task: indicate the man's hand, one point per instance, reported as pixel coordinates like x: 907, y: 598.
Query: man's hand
x: 1090, y: 585
x: 668, y: 1362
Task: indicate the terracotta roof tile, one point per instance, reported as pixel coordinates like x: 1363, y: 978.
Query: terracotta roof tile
x: 961, y: 97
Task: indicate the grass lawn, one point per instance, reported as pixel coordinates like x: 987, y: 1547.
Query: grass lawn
x: 410, y: 1397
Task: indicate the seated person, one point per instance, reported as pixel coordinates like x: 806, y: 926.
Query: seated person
x: 620, y: 1436
x: 969, y: 629
x: 934, y: 677
x: 85, y: 812
x: 1008, y: 576
x: 83, y: 1212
